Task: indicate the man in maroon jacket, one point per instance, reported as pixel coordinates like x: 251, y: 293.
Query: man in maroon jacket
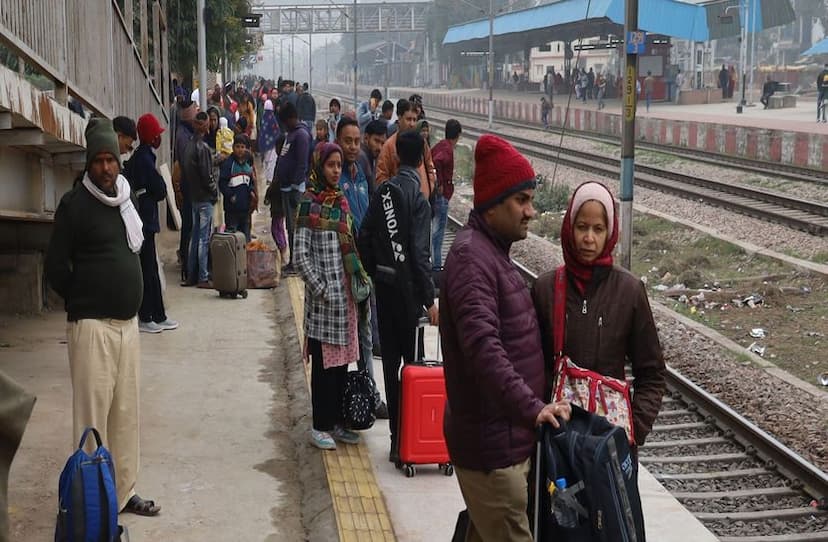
x: 493, y: 357
x: 443, y: 157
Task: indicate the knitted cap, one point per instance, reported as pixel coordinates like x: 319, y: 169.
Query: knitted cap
x: 101, y: 137
x: 499, y: 171
x: 149, y: 128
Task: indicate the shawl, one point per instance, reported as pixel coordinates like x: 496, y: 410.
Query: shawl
x: 269, y: 132
x: 326, y: 209
x: 129, y: 215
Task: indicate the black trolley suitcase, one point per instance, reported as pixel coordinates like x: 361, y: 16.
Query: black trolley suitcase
x: 228, y: 252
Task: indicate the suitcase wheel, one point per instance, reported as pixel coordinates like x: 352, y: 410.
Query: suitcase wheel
x: 410, y: 471
x: 244, y: 294
x: 447, y: 468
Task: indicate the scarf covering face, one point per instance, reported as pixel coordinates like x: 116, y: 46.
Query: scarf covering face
x: 132, y: 222
x: 579, y: 271
x: 326, y: 209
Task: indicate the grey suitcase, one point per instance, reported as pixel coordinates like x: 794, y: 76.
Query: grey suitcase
x: 228, y: 252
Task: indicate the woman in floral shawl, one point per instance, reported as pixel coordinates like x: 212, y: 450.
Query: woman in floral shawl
x: 326, y: 258
x: 267, y: 140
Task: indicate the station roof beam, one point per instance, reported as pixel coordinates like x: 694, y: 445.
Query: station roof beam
x: 339, y: 18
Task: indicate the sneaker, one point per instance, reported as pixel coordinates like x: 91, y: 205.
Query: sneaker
x: 149, y: 327
x: 322, y: 440
x: 381, y: 412
x: 289, y: 270
x: 343, y: 435
x: 168, y: 325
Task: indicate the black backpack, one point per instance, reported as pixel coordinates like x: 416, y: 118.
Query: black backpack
x: 358, y: 401
x: 600, y: 501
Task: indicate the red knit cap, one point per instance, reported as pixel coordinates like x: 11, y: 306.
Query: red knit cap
x: 499, y: 171
x: 148, y: 128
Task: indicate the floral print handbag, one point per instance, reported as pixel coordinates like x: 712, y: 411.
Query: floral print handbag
x: 603, y: 395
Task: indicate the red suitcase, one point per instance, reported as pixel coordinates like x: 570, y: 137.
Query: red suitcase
x: 422, y: 405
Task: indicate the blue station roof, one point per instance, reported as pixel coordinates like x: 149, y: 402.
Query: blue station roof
x: 567, y: 20
x: 819, y: 48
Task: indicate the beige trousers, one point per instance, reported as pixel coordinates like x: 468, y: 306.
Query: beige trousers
x: 105, y: 364
x: 497, y: 502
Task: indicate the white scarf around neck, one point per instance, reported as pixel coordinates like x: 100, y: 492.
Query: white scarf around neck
x: 132, y: 222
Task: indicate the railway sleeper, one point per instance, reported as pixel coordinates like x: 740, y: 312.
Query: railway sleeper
x: 738, y: 473
x: 713, y: 458
x: 786, y: 513
x: 679, y: 426
x: 780, y: 491
x: 674, y: 413
x: 685, y: 442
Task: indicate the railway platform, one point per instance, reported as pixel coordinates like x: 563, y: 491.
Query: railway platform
x: 788, y: 136
x: 225, y: 417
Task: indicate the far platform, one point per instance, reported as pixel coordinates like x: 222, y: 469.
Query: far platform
x: 789, y: 136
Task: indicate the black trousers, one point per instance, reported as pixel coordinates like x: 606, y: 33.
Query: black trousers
x: 290, y: 201
x: 327, y: 386
x: 152, y: 306
x: 397, y: 328
x: 186, y: 232
x: 238, y: 221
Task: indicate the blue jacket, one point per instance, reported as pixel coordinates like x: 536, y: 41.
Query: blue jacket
x: 355, y: 189
x: 236, y: 184
x: 147, y: 185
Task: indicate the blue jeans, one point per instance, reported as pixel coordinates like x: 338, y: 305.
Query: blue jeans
x: 366, y: 356
x: 438, y: 229
x: 648, y: 98
x: 200, y: 241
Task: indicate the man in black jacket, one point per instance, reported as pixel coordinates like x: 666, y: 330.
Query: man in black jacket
x: 767, y: 91
x: 395, y: 246
x: 197, y: 169
x: 93, y: 264
x: 149, y: 187
x: 822, y: 87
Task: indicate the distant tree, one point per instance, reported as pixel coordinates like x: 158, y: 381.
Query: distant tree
x: 223, y: 20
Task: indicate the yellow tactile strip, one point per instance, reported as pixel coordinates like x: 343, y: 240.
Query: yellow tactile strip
x: 361, y: 514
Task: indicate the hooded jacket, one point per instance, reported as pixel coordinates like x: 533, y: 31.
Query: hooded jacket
x: 492, y: 353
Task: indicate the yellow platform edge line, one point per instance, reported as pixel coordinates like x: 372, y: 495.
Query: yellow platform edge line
x: 356, y: 519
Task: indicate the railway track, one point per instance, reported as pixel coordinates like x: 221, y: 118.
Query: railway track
x: 740, y: 482
x: 783, y: 171
x: 805, y: 215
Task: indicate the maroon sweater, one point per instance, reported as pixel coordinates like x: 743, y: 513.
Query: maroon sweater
x: 493, y: 356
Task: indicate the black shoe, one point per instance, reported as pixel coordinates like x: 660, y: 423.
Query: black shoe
x: 381, y: 412
x: 376, y: 352
x: 288, y: 270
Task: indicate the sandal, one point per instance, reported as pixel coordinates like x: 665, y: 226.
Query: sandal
x: 141, y: 507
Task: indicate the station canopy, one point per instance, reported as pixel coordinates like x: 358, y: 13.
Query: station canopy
x: 819, y: 48
x: 570, y: 20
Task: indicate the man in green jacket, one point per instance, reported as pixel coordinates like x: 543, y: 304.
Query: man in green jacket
x: 93, y: 264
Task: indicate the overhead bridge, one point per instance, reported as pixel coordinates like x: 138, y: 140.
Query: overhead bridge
x: 343, y: 18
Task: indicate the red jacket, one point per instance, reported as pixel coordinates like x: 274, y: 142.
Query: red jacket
x: 442, y: 154
x: 493, y: 357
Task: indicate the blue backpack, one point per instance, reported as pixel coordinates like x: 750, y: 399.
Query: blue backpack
x: 88, y: 503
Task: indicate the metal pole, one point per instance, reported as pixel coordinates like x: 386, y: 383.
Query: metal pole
x: 292, y: 54
x: 388, y: 48
x: 225, y: 74
x: 491, y: 62
x: 310, y: 57
x: 753, y: 49
x: 628, y: 134
x: 281, y: 59
x: 743, y: 16
x: 354, y: 21
x: 202, y: 56
x: 326, y: 60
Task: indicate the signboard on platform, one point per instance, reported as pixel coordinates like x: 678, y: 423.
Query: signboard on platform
x: 636, y: 41
x: 629, y: 94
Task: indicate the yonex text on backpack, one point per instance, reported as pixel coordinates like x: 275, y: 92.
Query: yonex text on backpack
x: 88, y: 503
x: 588, y: 483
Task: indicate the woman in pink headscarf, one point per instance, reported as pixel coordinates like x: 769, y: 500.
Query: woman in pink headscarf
x: 608, y: 321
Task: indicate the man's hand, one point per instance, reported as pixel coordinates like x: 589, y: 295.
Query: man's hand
x: 433, y: 314
x: 549, y: 412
